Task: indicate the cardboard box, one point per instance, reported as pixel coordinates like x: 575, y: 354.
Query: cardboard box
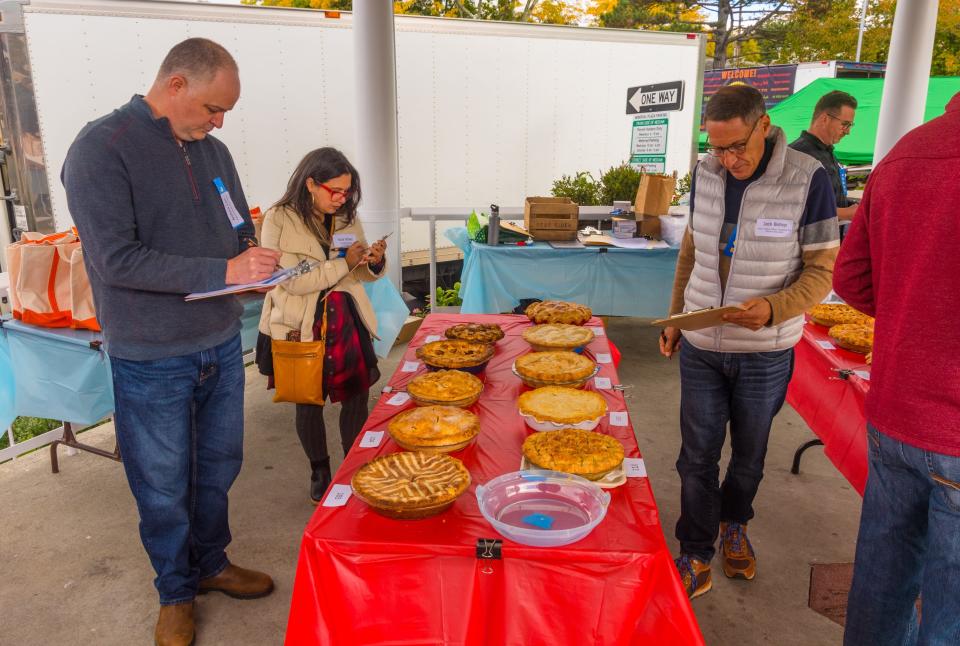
x: 551, y: 218
x: 623, y: 228
x: 654, y: 194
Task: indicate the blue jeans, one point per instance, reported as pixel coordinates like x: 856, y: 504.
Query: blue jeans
x: 179, y: 424
x: 909, y: 545
x: 747, y: 390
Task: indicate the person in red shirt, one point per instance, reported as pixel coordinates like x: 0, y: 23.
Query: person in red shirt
x: 900, y: 263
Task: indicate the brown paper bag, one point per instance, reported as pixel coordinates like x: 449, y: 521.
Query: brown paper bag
x: 654, y: 195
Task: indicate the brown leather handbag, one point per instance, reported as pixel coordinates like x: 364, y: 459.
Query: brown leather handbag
x: 298, y: 368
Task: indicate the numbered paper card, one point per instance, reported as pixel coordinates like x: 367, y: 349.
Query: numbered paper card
x: 410, y: 366
x: 604, y: 357
x: 619, y: 418
x: 432, y: 338
x: 597, y: 331
x: 371, y: 439
x: 863, y: 374
x: 399, y: 399
x: 338, y: 496
x: 603, y: 383
x: 634, y: 468
x: 826, y: 345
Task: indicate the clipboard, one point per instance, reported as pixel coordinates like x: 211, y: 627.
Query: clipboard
x: 698, y: 319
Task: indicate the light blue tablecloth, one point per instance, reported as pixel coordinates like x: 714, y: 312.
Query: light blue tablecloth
x: 613, y: 282
x: 54, y: 373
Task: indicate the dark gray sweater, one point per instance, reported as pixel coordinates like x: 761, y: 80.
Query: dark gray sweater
x: 154, y: 228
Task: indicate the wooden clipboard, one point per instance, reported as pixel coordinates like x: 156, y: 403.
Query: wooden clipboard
x: 699, y: 319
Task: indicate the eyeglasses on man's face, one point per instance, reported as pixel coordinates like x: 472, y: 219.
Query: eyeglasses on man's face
x: 342, y: 193
x: 736, y: 149
x: 846, y: 125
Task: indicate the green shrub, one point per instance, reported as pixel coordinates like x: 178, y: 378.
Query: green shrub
x: 619, y: 183
x: 581, y: 188
x: 26, y: 427
x: 683, y: 187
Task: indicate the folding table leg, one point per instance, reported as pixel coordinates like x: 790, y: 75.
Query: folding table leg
x: 795, y: 469
x: 69, y: 439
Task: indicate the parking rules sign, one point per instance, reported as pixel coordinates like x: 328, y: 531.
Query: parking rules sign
x: 659, y: 97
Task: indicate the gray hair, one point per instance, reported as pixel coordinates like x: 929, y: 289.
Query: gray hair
x: 735, y: 101
x: 197, y: 59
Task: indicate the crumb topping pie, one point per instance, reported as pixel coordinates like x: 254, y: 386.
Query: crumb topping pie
x: 454, y: 353
x: 562, y: 405
x: 411, y: 484
x: 583, y: 453
x: 853, y: 336
x: 434, y: 428
x: 557, y: 336
x: 556, y: 366
x: 445, y: 387
x: 477, y: 332
x: 559, y: 312
x: 830, y: 314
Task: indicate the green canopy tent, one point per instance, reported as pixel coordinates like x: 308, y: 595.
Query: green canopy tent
x: 793, y: 113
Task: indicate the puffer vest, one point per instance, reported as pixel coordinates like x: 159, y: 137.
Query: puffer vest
x: 763, y: 262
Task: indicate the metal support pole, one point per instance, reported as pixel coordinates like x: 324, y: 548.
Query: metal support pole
x: 863, y: 20
x: 433, y: 261
x: 378, y: 159
x: 908, y: 73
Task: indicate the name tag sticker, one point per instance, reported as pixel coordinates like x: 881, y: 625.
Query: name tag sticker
x: 635, y: 468
x: 343, y: 240
x: 338, y: 496
x: 236, y: 220
x: 774, y: 228
x: 371, y: 439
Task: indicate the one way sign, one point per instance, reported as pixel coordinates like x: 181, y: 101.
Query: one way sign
x: 660, y: 97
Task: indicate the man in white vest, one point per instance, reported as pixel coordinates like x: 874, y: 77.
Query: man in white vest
x: 763, y: 234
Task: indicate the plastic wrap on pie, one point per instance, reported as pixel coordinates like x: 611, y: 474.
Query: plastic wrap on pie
x: 411, y: 484
x: 559, y: 312
x: 583, y: 453
x: 439, y: 429
x: 445, y: 388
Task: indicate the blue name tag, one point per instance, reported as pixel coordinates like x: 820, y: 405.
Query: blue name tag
x: 236, y: 220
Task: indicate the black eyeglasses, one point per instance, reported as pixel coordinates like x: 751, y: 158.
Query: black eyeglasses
x: 846, y: 125
x: 737, y: 149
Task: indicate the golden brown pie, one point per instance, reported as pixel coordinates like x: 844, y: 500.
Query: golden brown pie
x: 559, y: 312
x: 477, y: 332
x: 554, y: 368
x: 562, y: 405
x: 411, y: 484
x: 853, y: 336
x: 583, y: 453
x: 557, y: 336
x: 830, y: 314
x: 453, y: 353
x: 434, y: 428
x: 446, y: 388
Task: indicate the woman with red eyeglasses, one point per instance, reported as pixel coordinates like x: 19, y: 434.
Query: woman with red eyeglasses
x: 316, y: 219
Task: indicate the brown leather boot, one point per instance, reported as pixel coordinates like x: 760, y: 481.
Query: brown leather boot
x: 239, y: 583
x: 175, y: 625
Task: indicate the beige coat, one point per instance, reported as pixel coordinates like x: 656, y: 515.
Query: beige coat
x: 292, y: 305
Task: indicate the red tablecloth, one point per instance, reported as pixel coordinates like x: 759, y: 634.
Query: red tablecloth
x: 829, y: 397
x: 365, y: 579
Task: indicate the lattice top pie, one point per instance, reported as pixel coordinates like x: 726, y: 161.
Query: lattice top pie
x: 477, y: 332
x: 830, y: 314
x: 434, y: 426
x: 583, y: 453
x: 559, y: 312
x: 411, y: 480
x: 562, y: 405
x: 556, y: 366
x: 445, y: 386
x: 557, y: 336
x: 853, y: 337
x: 453, y: 353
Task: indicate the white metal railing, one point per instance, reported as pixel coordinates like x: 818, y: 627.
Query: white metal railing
x: 433, y: 214
x: 17, y: 449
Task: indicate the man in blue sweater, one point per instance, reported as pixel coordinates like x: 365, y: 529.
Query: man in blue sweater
x: 161, y: 213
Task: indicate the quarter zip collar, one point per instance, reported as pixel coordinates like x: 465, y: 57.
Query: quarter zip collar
x: 139, y: 107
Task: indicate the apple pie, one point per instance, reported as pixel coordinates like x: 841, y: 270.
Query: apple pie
x: 454, y: 353
x: 562, y: 405
x: 438, y: 429
x: 557, y: 336
x: 830, y: 314
x: 584, y: 453
x: 554, y: 368
x: 559, y: 312
x: 476, y: 332
x: 411, y: 484
x: 856, y: 337
x: 445, y: 388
